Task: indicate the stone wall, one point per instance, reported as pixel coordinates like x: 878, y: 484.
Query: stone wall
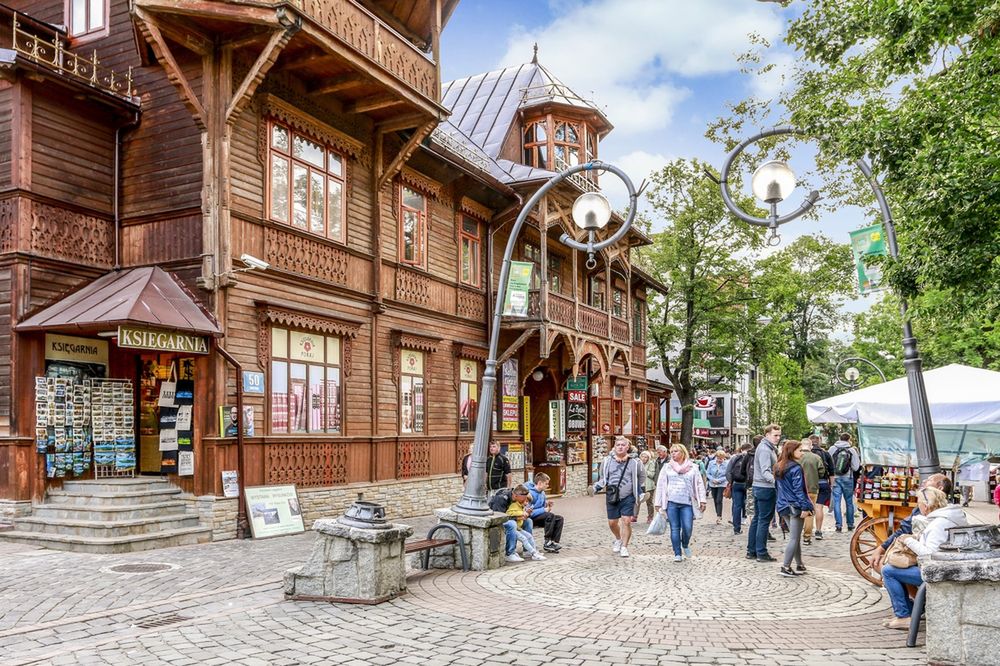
x: 577, y: 480
x: 11, y: 509
x: 963, y: 611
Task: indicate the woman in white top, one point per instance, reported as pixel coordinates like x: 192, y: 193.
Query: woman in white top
x: 679, y: 489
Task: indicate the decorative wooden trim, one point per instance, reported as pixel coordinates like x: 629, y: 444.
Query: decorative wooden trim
x: 269, y: 314
x: 469, y: 351
x: 408, y: 340
x: 420, y: 182
x: 272, y: 106
x: 475, y: 209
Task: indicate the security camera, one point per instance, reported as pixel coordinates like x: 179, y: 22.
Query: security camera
x: 253, y: 262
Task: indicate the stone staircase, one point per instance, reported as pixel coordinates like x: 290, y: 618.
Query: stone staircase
x: 110, y: 516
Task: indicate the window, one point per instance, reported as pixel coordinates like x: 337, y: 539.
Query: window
x: 618, y: 303
x: 536, y: 144
x: 469, y: 270
x: 638, y: 322
x: 86, y: 17
x: 639, y: 413
x: 305, y: 382
x: 567, y: 142
x: 413, y: 227
x: 533, y: 253
x: 555, y: 273
x: 468, y: 395
x: 597, y: 293
x: 412, y: 400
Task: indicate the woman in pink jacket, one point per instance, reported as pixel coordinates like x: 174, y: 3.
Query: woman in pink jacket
x: 996, y: 494
x: 679, y: 490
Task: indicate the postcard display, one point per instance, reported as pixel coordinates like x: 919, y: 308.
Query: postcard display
x: 84, y: 422
x: 176, y: 424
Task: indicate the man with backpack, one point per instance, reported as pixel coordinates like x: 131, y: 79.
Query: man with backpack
x: 822, y: 503
x: 622, y: 478
x: 737, y: 475
x: 846, y: 461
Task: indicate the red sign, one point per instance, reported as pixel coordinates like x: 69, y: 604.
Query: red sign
x: 576, y: 396
x: 705, y: 402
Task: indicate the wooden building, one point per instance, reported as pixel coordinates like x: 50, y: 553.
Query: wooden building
x: 205, y: 198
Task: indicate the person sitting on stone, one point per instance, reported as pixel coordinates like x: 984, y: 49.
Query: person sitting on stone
x: 519, y: 511
x: 541, y: 513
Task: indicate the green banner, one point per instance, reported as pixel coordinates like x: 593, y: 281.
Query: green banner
x: 515, y: 302
x: 865, y: 243
x: 576, y: 384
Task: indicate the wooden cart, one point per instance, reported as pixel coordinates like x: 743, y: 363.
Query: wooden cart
x: 882, y: 517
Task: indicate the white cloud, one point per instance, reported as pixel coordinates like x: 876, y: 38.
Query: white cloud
x: 629, y: 54
x: 638, y: 165
x: 770, y: 84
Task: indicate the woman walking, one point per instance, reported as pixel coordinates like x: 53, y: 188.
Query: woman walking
x: 717, y: 468
x: 680, y: 489
x: 793, y: 503
x: 649, y: 463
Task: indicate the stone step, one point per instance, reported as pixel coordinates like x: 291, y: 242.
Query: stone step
x: 115, y: 485
x: 108, y: 513
x: 97, y: 528
x: 124, y: 544
x: 111, y: 498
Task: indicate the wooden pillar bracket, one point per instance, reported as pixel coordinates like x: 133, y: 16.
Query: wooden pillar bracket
x: 404, y: 153
x: 279, y: 39
x: 517, y: 344
x: 151, y: 31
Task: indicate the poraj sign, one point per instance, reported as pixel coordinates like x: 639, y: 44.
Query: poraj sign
x: 144, y: 338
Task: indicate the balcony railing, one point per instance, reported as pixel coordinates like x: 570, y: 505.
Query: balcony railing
x: 382, y: 45
x: 563, y: 310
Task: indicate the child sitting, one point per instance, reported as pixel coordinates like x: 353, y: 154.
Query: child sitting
x: 519, y: 510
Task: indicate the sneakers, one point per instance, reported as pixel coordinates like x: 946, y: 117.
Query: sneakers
x: 801, y: 568
x: 850, y: 528
x: 787, y: 572
x: 537, y: 557
x: 623, y: 551
x: 551, y: 547
x: 766, y: 558
x: 839, y: 529
x: 514, y: 557
x: 616, y: 546
x: 807, y: 541
x: 678, y: 558
x: 818, y: 535
x: 751, y: 556
x: 718, y: 521
x: 687, y: 551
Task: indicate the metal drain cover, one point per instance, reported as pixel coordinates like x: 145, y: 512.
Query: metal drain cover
x: 141, y: 567
x: 160, y: 620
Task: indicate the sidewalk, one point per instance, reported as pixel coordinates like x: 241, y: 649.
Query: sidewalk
x: 222, y: 604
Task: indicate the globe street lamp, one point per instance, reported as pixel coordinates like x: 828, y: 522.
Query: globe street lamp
x: 591, y: 213
x: 772, y: 185
x: 852, y: 374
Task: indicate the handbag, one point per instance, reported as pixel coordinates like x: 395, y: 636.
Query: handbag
x: 658, y: 526
x: 727, y: 492
x: 612, y: 492
x: 899, y: 556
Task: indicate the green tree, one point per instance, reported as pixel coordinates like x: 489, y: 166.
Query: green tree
x: 701, y: 330
x: 779, y: 397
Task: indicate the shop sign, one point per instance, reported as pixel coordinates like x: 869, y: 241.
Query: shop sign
x: 273, y: 510
x: 557, y: 419
x: 705, y: 403
x: 576, y: 396
x: 576, y: 384
x: 509, y: 413
x: 576, y: 417
x: 69, y: 348
x: 526, y: 404
x: 711, y: 432
x: 515, y: 302
x: 171, y: 341
x: 253, y: 382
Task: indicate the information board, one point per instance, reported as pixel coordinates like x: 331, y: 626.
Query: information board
x: 273, y: 510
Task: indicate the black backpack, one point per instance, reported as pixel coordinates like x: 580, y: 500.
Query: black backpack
x: 500, y: 502
x: 842, y: 461
x: 741, y: 469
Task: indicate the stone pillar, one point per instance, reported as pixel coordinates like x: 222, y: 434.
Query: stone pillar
x: 963, y: 608
x: 351, y: 564
x: 484, y: 541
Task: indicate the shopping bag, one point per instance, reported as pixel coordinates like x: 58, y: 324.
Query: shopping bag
x: 658, y: 526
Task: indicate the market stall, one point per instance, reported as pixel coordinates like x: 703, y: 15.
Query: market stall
x: 965, y: 410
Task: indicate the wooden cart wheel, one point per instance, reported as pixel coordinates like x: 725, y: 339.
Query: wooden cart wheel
x: 866, y: 538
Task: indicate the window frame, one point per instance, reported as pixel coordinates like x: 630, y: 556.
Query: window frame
x: 474, y: 384
x: 328, y: 409
x: 404, y: 376
x: 87, y: 35
x: 531, y: 252
x: 595, y: 296
x: 475, y: 242
x: 531, y: 148
x: 274, y: 152
x: 638, y: 322
x: 555, y: 273
x: 420, y: 251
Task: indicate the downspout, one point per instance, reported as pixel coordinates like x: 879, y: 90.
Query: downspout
x: 242, y: 527
x: 116, y: 185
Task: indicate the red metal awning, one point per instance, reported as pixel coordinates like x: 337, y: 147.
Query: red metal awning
x: 147, y: 296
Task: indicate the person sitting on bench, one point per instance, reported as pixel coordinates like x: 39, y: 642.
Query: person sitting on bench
x: 541, y: 513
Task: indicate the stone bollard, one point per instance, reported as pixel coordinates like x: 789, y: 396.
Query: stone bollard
x: 353, y: 560
x: 484, y: 541
x: 963, y: 598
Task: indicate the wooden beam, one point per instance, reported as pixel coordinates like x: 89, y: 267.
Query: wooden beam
x: 252, y: 37
x: 406, y: 122
x: 337, y: 83
x: 188, y: 37
x: 309, y: 61
x: 372, y: 103
x: 266, y: 59
x: 404, y: 153
x: 158, y: 43
x: 517, y: 344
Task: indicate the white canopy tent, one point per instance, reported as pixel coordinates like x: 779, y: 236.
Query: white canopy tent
x: 965, y: 411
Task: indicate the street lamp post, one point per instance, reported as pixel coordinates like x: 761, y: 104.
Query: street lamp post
x: 591, y: 212
x: 772, y: 183
x: 852, y: 374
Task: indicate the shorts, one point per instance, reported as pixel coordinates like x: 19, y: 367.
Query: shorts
x: 624, y: 507
x: 824, y: 495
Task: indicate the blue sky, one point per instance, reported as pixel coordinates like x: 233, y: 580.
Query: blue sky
x: 662, y: 69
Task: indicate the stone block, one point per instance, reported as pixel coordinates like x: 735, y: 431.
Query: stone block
x: 484, y: 539
x: 944, y: 629
x: 981, y: 605
x: 981, y: 644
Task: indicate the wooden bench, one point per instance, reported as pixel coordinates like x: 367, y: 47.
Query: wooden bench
x: 425, y: 546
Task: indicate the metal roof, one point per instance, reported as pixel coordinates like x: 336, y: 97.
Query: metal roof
x: 148, y: 296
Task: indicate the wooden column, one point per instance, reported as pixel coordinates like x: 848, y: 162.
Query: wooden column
x: 543, y: 258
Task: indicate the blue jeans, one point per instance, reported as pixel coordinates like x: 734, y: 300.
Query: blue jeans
x: 510, y: 535
x: 764, y: 500
x: 894, y: 580
x: 843, y: 486
x: 681, y: 517
x: 739, y: 505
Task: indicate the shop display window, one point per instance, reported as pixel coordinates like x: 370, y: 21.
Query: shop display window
x: 306, y: 389
x: 412, y: 397
x: 468, y: 395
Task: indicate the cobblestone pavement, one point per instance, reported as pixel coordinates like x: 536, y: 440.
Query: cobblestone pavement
x: 222, y: 604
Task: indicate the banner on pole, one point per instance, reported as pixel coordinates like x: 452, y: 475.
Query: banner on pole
x: 866, y: 243
x: 515, y: 301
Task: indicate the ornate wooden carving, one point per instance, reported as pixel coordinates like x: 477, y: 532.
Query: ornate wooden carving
x: 312, y: 464
x: 273, y: 106
x: 593, y: 321
x: 269, y: 314
x: 413, y: 459
x: 619, y: 331
x: 420, y: 182
x: 409, y: 340
x: 412, y: 287
x: 474, y: 352
x: 8, y: 225
x: 300, y: 254
x: 639, y: 356
x: 475, y: 209
x: 65, y: 234
x: 560, y: 310
x: 471, y: 304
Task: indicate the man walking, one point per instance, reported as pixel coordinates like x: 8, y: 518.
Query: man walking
x: 813, y: 470
x: 822, y: 503
x: 846, y: 461
x: 737, y: 476
x: 623, y: 479
x: 764, y: 494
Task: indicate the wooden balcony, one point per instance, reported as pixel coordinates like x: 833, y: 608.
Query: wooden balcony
x: 562, y: 310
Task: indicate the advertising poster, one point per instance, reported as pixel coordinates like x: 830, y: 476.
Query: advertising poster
x: 509, y: 402
x: 230, y: 483
x: 273, y: 511
x: 509, y: 413
x: 557, y: 419
x: 866, y: 243
x: 527, y: 418
x: 515, y: 301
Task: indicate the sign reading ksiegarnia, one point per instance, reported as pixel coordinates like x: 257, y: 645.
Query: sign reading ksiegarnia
x: 515, y: 302
x: 865, y: 243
